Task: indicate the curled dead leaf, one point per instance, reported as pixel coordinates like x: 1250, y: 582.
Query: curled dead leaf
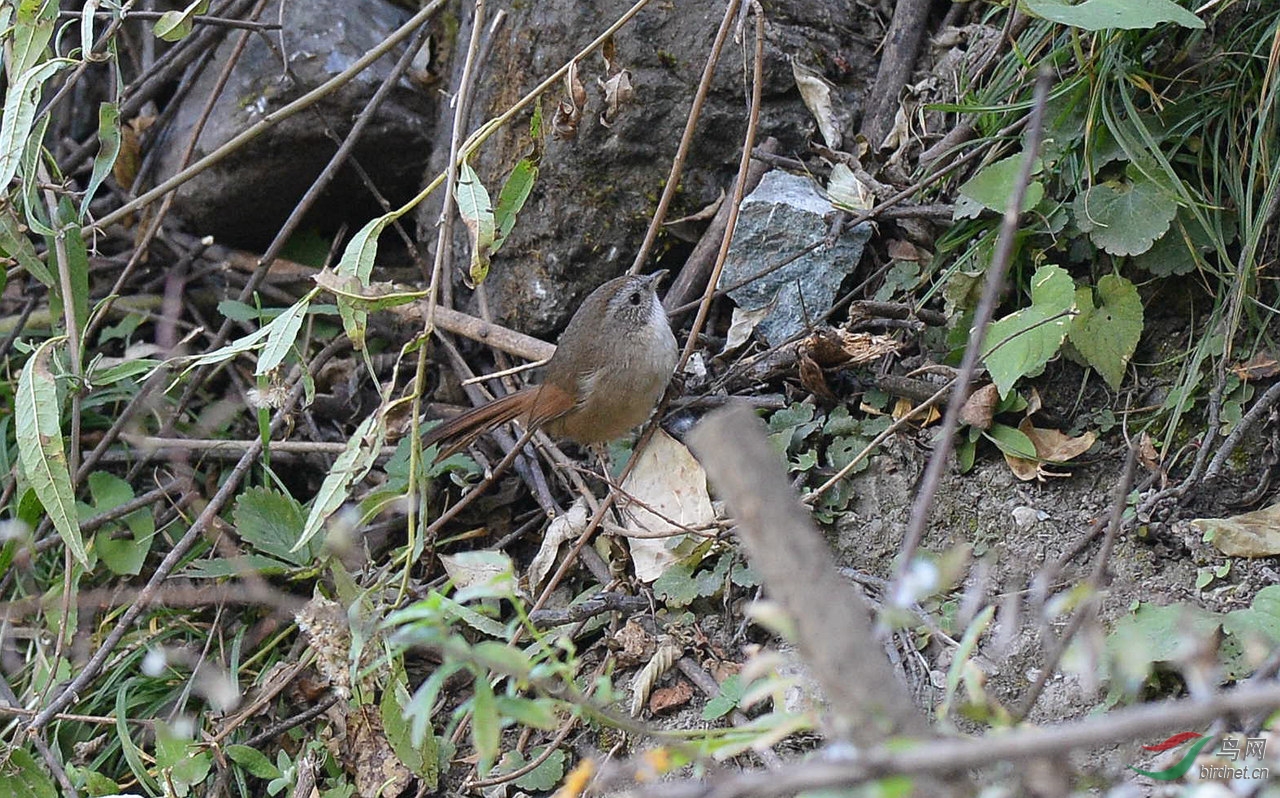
x: 1052, y: 447
x: 618, y: 91
x: 812, y: 378
x: 979, y: 409
x: 568, y: 115
x: 816, y: 94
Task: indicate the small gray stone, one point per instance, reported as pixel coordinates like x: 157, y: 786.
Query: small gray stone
x: 785, y: 214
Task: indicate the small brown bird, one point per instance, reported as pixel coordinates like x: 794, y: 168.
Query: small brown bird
x: 609, y: 370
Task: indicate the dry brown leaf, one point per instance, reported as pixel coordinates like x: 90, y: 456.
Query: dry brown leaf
x: 632, y: 644
x: 1259, y: 367
x: 980, y: 408
x: 671, y: 484
x: 618, y: 91
x: 742, y: 323
x: 669, y: 699
x: 1052, y: 447
x: 903, y: 407
x: 834, y: 347
x: 563, y: 528
x: 1147, y: 454
x: 666, y: 655
x: 1255, y: 534
x: 564, y: 125
x: 816, y: 94
x: 379, y: 773
x: 129, y: 160
x: 904, y: 250
x: 812, y: 378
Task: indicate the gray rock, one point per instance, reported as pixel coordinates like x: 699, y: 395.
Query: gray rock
x: 244, y: 200
x: 785, y: 214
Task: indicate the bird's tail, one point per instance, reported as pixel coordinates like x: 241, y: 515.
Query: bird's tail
x: 457, y: 433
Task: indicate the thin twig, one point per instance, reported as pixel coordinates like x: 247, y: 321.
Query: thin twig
x: 982, y: 316
x: 672, y: 185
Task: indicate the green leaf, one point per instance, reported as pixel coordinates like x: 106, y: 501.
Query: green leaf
x: 546, y: 775
x: 1011, y: 441
x: 175, y: 25
x: 77, y: 262
x: 357, y: 261
x: 32, y: 29
x: 486, y: 731
x: 23, y: 777
x: 422, y: 759
x: 676, y: 585
x: 1125, y: 217
x: 534, y: 713
x: 1021, y: 344
x: 1103, y: 14
x: 1107, y: 334
x: 19, y: 113
x: 15, y: 244
x: 252, y: 760
x: 477, y: 214
x: 363, y: 448
x: 40, y: 449
x: 993, y: 186
x: 108, y: 150
x: 272, y: 522
x: 1179, y: 250
x: 501, y: 658
x: 515, y: 191
x: 283, y: 333
x: 124, y: 555
x: 1157, y: 634
x: 220, y: 568
x: 727, y: 700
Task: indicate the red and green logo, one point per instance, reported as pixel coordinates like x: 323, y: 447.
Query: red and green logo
x: 1179, y: 769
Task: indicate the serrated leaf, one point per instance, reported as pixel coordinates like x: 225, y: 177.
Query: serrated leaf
x: 676, y: 585
x: 1125, y: 217
x: 476, y: 210
x: 1123, y: 14
x: 272, y: 522
x: 993, y: 186
x: 515, y: 191
x: 546, y: 775
x: 1022, y: 343
x: 351, y: 466
x: 40, y: 448
x: 1178, y: 251
x: 283, y: 332
x: 1107, y: 334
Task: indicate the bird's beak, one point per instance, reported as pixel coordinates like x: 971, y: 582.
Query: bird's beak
x: 655, y: 279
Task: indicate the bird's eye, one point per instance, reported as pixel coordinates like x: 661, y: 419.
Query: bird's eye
x: 635, y: 298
